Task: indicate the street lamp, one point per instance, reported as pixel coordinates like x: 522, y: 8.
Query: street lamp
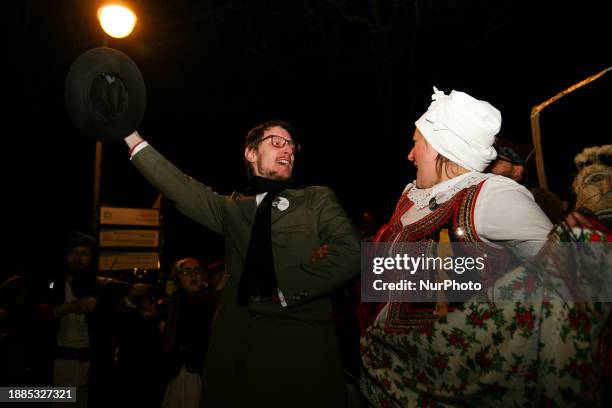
x: 117, y: 21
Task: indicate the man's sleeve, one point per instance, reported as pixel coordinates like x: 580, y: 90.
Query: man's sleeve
x: 340, y: 265
x: 191, y: 197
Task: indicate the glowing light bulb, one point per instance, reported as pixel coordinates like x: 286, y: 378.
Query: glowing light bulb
x: 117, y: 21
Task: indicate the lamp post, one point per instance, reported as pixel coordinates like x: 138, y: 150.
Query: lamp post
x: 117, y: 21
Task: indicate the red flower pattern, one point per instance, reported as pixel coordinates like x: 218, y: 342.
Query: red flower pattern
x: 579, y: 320
x: 525, y: 319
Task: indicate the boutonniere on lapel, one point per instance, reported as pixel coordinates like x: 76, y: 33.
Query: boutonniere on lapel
x: 281, y: 203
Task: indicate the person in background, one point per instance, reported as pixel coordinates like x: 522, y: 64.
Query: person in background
x: 20, y: 334
x: 510, y: 164
x: 216, y: 276
x: 139, y: 349
x: 186, y: 333
x: 575, y: 367
x: 80, y: 338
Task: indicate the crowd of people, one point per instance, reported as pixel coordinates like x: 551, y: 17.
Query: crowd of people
x: 113, y: 340
x: 280, y: 322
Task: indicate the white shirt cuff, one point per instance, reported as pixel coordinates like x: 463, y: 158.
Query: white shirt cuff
x: 139, y: 148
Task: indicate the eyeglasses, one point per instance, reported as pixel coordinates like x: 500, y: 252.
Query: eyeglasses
x: 191, y: 271
x: 279, y: 142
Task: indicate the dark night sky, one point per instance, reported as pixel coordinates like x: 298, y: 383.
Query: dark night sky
x: 351, y: 75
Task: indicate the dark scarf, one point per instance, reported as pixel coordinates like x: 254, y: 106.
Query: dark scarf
x: 258, y: 277
x: 84, y: 284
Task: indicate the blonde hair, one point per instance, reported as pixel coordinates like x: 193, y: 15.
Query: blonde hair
x: 443, y: 164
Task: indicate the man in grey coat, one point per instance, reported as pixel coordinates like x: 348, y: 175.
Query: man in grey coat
x: 273, y: 341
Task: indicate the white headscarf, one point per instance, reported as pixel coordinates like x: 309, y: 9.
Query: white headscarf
x: 461, y: 128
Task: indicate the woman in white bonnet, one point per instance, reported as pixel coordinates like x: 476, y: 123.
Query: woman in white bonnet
x: 411, y: 355
x: 453, y: 144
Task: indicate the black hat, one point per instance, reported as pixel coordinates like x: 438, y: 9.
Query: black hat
x: 509, y: 154
x: 105, y: 94
x: 77, y: 238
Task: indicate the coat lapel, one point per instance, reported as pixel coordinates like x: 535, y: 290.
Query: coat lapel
x: 247, y: 206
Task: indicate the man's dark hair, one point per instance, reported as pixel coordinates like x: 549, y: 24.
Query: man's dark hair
x: 254, y: 136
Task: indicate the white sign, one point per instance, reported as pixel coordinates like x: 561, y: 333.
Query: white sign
x: 121, y: 261
x: 144, y: 217
x: 129, y: 238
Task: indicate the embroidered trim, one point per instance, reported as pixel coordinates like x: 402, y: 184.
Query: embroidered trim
x: 459, y: 211
x: 443, y: 191
x: 402, y: 316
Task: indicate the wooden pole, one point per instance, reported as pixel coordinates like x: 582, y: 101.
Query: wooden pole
x: 96, y: 191
x: 536, y: 132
